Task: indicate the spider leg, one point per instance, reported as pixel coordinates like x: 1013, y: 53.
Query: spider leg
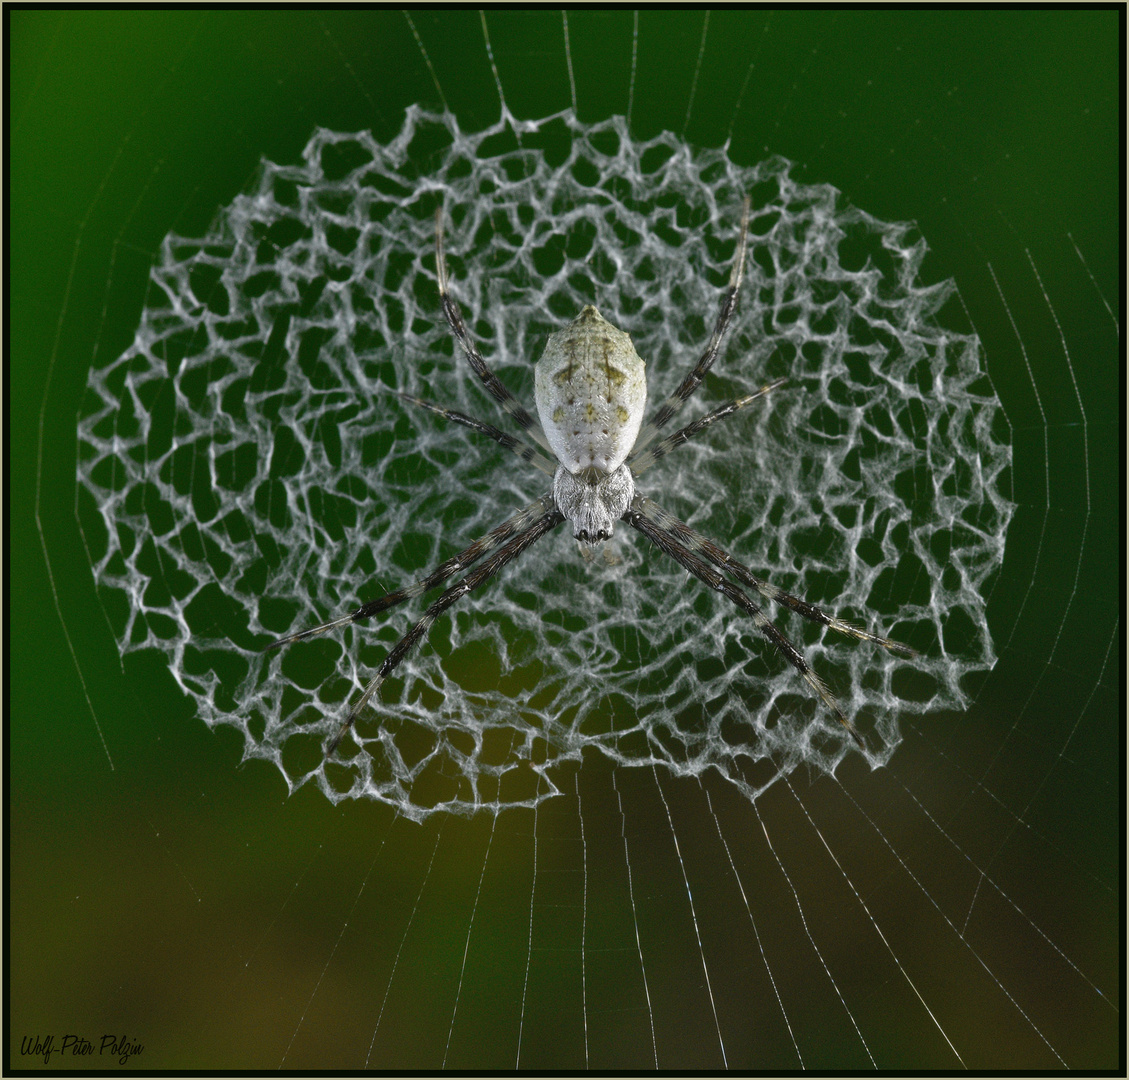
x: 523, y: 540
x: 510, y: 442
x: 459, y: 328
x: 666, y: 542
x: 520, y: 521
x: 689, y: 384
x: 639, y: 462
x: 695, y: 541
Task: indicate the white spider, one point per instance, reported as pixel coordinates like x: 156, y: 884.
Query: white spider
x: 591, y: 392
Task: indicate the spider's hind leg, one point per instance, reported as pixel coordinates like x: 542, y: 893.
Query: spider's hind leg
x: 640, y: 461
x: 494, y: 386
x: 523, y: 449
x: 673, y: 404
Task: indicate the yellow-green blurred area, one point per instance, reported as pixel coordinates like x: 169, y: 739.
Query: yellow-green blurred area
x: 962, y: 905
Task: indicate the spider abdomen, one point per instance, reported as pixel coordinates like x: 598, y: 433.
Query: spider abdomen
x: 591, y: 389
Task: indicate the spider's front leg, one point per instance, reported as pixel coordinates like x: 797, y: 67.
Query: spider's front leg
x: 486, y: 570
x: 696, y: 542
x: 645, y: 516
x: 466, y: 558
x: 501, y: 545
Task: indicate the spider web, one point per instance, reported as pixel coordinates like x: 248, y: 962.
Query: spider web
x: 683, y: 903
x: 279, y: 335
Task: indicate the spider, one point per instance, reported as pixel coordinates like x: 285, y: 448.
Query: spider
x: 591, y: 392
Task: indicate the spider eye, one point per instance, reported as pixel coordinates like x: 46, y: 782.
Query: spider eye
x: 582, y: 535
x: 603, y: 534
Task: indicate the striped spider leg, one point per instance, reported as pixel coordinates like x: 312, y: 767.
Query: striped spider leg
x: 591, y: 393
x: 686, y: 546
x: 695, y: 552
x: 498, y: 547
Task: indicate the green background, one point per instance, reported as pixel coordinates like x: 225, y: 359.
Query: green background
x: 188, y: 904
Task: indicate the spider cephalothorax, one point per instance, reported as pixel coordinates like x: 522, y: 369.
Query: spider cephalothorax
x: 593, y: 500
x: 591, y: 392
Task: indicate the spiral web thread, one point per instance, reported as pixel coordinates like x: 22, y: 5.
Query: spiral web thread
x: 251, y: 473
